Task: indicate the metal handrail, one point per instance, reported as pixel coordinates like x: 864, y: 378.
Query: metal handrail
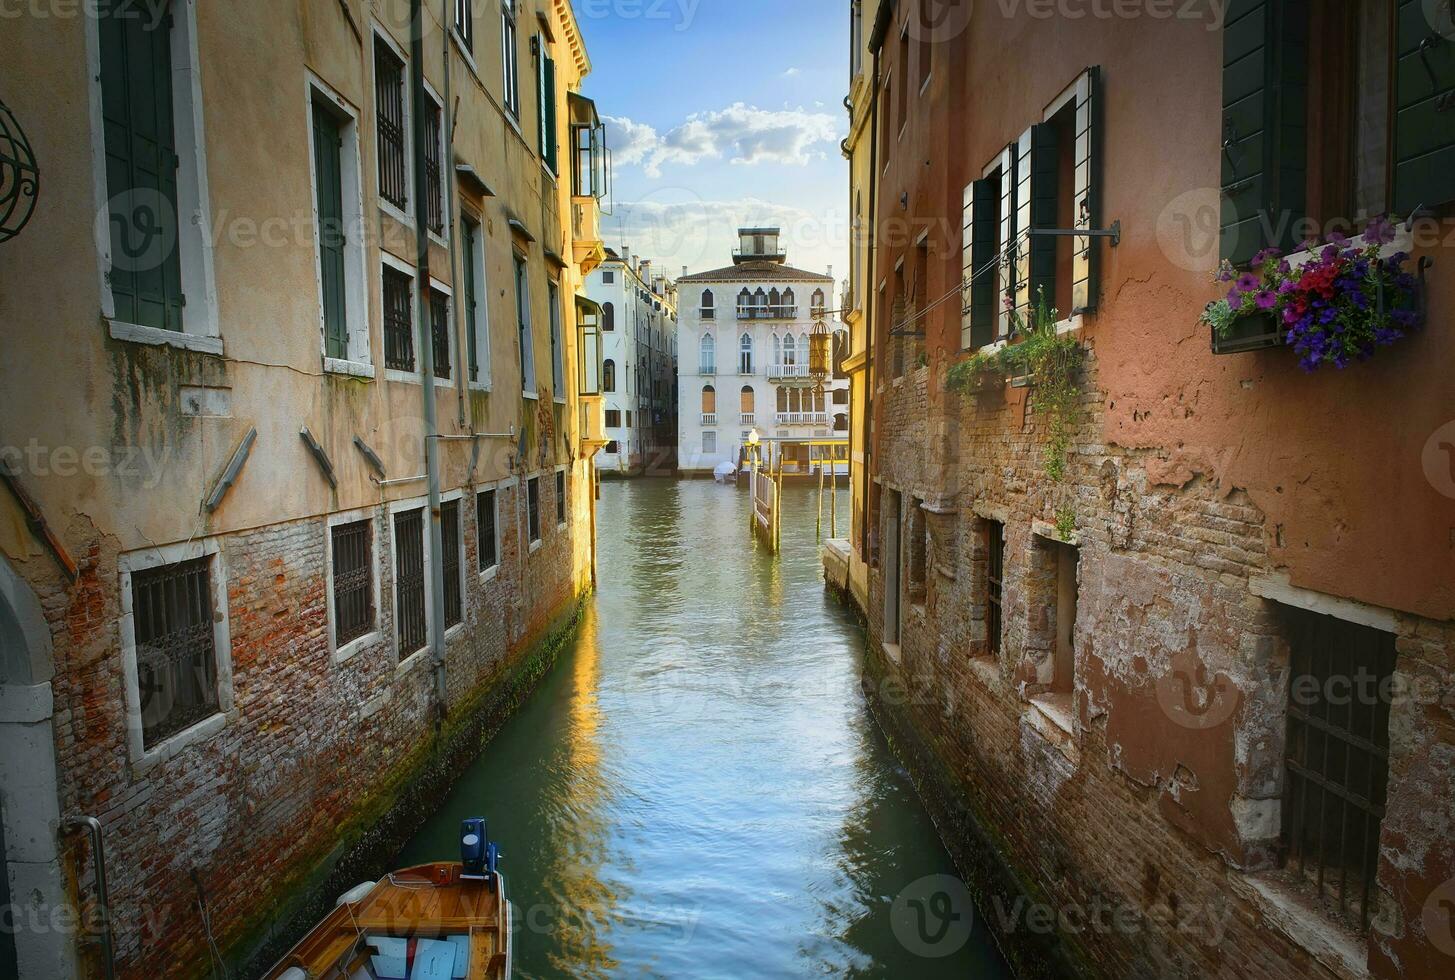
x: 98, y: 856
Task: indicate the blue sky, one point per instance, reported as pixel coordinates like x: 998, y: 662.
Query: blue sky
x: 720, y: 113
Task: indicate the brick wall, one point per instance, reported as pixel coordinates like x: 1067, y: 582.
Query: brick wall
x: 1152, y: 791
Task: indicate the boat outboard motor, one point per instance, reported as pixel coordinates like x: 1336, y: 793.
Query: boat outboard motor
x: 478, y: 853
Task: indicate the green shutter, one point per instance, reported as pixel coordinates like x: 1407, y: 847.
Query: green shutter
x: 328, y: 173
x: 1036, y: 179
x: 1264, y: 146
x: 467, y: 240
x: 1005, y: 263
x: 550, y: 149
x: 1424, y: 122
x: 141, y: 168
x: 977, y: 325
x: 1086, y: 193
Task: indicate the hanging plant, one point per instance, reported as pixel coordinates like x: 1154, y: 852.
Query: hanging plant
x: 1336, y: 309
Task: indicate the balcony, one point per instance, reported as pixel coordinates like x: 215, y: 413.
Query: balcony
x: 709, y: 418
x: 779, y: 312
x: 759, y: 254
x: 586, y: 246
x: 803, y: 418
x: 747, y: 418
x: 708, y: 369
x: 788, y: 371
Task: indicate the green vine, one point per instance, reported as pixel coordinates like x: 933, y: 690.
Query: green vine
x: 1065, y: 523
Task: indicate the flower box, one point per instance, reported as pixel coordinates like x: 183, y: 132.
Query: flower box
x: 1252, y: 331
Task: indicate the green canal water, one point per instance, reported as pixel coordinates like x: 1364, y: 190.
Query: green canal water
x: 697, y: 788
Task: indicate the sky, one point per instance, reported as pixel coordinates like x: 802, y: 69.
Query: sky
x: 720, y: 114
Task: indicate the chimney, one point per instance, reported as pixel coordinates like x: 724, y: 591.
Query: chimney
x: 684, y: 272
x: 831, y: 272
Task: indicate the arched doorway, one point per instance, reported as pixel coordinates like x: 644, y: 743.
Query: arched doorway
x: 29, y: 799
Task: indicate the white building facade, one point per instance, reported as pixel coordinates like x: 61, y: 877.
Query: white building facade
x: 639, y: 364
x: 744, y: 338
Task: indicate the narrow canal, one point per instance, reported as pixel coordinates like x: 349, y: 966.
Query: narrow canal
x: 697, y: 789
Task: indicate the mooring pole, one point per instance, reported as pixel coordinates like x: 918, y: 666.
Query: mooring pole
x: 834, y: 493
x: 819, y: 531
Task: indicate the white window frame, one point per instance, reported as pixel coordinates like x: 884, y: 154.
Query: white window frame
x: 475, y: 229
x: 356, y: 270
x: 486, y: 574
x: 510, y: 59
x: 712, y: 435
x: 458, y: 496
x: 455, y: 364
x: 535, y: 543
x: 200, y: 320
x: 405, y: 217
x: 399, y: 265
x: 348, y: 651
x: 403, y: 666
x: 524, y: 325
x: 558, y: 340
x: 143, y: 758
x: 446, y: 168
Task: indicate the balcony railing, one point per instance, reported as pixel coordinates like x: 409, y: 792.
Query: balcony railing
x: 747, y: 418
x: 707, y: 312
x: 709, y: 368
x: 788, y: 371
x: 709, y: 418
x: 803, y: 418
x: 780, y: 312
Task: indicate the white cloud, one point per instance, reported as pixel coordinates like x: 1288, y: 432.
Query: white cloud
x: 741, y: 133
x: 790, y: 73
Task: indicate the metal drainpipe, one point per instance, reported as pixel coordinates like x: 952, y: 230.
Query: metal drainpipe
x: 871, y: 306
x: 451, y: 206
x: 426, y: 348
x: 98, y: 855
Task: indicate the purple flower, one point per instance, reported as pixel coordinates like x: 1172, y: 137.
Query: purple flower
x: 1339, y: 238
x: 1267, y: 300
x: 1380, y: 231
x: 1248, y: 282
x: 1235, y: 298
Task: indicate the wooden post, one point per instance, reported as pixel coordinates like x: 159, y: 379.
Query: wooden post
x: 819, y: 531
x: 834, y: 493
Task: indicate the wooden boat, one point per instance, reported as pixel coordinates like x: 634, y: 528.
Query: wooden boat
x: 441, y: 921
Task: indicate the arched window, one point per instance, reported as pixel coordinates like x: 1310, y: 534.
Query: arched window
x: 707, y: 364
x: 708, y: 311
x: 760, y: 300
x: 608, y: 317
x: 803, y: 348
x: 841, y: 423
x: 790, y: 352
x: 777, y: 351
x: 745, y: 302
x: 782, y: 399
x: 709, y: 400
x: 790, y: 304
x: 745, y: 400
x: 608, y: 375
x: 775, y: 302
x: 818, y: 300
x: 745, y: 354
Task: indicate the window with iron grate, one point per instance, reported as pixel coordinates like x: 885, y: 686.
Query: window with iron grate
x: 353, y: 582
x: 389, y: 112
x: 486, y: 539
x: 398, y: 320
x: 433, y: 169
x: 994, y: 583
x: 439, y: 322
x: 533, y: 508
x: 561, y: 497
x: 450, y: 542
x: 409, y: 582
x: 175, y: 655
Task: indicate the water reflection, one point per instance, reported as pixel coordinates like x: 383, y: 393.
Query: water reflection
x: 697, y: 789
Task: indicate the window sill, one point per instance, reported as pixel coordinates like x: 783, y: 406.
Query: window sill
x: 1052, y: 717
x: 413, y: 378
x: 410, y: 663
x: 987, y: 671
x: 561, y: 526
x: 536, y: 545
x: 171, y: 747
x: 453, y: 631
x: 353, y: 648
x: 357, y: 369
x: 560, y: 400
x: 1404, y: 241
x: 403, y: 217
x: 489, y: 574
x: 894, y: 652
x: 532, y: 395
x: 135, y: 333
x: 1288, y: 911
x: 466, y: 55
x: 924, y: 85
x: 439, y: 240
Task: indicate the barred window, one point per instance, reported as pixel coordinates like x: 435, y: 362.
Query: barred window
x: 398, y: 320
x: 994, y: 583
x: 353, y: 581
x: 533, y: 505
x: 561, y: 497
x: 176, y: 659
x: 409, y: 614
x: 450, y: 561
x: 433, y: 169
x: 389, y: 109
x: 1336, y: 769
x: 439, y: 322
x: 485, y: 533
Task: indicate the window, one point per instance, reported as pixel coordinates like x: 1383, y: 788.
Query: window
x: 533, y: 508
x: 434, y: 151
x: 709, y: 400
x: 487, y: 540
x: 613, y: 447
x: 523, y: 332
x: 708, y: 310
x: 546, y: 100
x: 816, y: 303
x: 745, y: 304
x: 994, y: 583
x: 901, y: 80
x: 1064, y: 664
x: 788, y: 305
x: 607, y: 277
x: 745, y: 400
x: 608, y: 375
x: 409, y: 582
x: 918, y: 548
x: 926, y: 42
x: 439, y: 323
x: 352, y: 547
x: 510, y: 57
x: 558, y: 354
x: 790, y: 351
x: 391, y: 125
x: 477, y: 312
x: 465, y: 24
x: 329, y: 204
x: 176, y: 656
x: 885, y: 103
x: 707, y: 364
x: 979, y: 262
x: 613, y: 418
x: 608, y: 317
x: 561, y: 497
x: 451, y: 542
x: 398, y: 320
x: 1337, y: 756
x: 745, y: 354
x: 709, y: 443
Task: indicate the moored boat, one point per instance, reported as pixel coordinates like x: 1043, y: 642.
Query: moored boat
x: 440, y: 921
